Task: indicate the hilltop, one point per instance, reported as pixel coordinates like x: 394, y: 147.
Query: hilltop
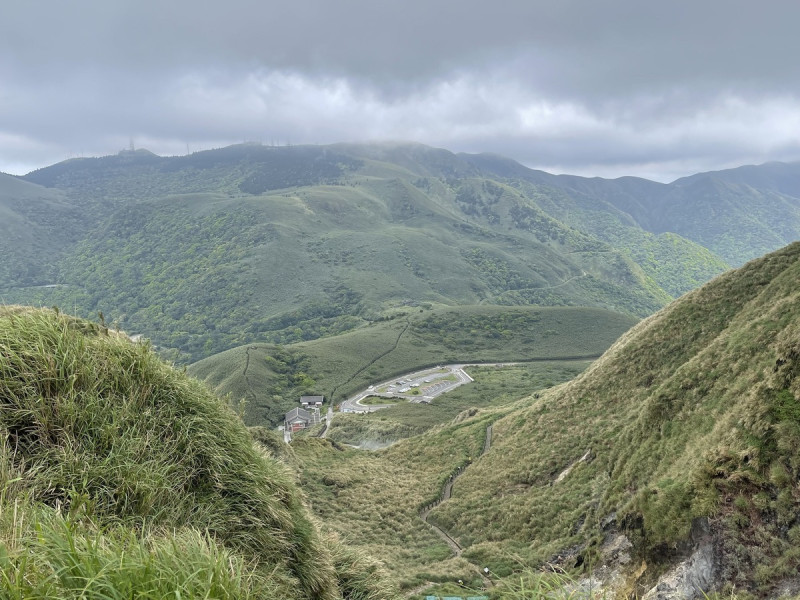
x: 251, y: 243
x: 681, y: 442
x: 122, y: 477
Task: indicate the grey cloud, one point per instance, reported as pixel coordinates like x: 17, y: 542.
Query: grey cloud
x: 572, y: 84
x: 574, y: 47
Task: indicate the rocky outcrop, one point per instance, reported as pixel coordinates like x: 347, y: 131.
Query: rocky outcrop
x: 689, y: 579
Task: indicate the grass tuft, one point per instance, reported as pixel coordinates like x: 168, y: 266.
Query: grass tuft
x: 136, y: 462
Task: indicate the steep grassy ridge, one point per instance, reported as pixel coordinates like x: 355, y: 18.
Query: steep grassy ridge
x: 693, y: 413
x: 121, y: 477
x: 270, y: 379
x: 690, y: 420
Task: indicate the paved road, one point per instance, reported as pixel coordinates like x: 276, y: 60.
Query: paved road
x: 328, y: 419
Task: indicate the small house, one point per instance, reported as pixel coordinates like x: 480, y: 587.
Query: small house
x: 297, y: 419
x: 311, y: 401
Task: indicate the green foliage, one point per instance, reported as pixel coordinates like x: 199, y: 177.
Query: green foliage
x: 125, y: 468
x: 737, y: 214
x: 340, y: 366
x: 37, y: 226
x: 785, y: 407
x: 279, y: 245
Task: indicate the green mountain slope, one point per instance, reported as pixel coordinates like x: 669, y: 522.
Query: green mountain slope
x: 683, y: 439
x: 37, y: 225
x: 738, y: 214
x: 252, y: 243
x: 288, y: 244
x: 735, y: 220
x: 121, y: 477
x: 268, y: 380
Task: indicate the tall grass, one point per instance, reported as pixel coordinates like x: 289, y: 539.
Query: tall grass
x: 56, y: 557
x: 99, y: 429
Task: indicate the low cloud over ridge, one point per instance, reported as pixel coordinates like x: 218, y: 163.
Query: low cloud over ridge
x: 590, y: 88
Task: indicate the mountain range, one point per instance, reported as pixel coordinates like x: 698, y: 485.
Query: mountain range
x: 219, y: 248
x: 667, y: 468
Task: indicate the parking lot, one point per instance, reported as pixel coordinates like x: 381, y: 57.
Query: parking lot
x: 420, y: 386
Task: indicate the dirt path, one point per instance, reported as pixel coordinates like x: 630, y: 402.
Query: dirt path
x: 251, y: 397
x: 444, y: 496
x: 371, y: 362
x: 565, y: 282
x: 454, y: 545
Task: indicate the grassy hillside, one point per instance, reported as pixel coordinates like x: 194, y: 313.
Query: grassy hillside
x: 202, y: 273
x: 268, y: 380
x: 675, y: 263
x: 737, y: 214
x: 37, y: 225
x: 121, y: 477
x: 683, y: 437
x: 249, y: 243
x: 493, y: 386
x: 373, y: 499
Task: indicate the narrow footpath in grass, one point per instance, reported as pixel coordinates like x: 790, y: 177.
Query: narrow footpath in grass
x: 447, y: 492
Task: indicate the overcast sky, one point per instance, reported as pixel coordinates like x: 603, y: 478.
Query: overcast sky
x: 590, y: 87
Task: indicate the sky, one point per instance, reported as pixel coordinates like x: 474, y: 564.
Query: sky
x: 596, y: 88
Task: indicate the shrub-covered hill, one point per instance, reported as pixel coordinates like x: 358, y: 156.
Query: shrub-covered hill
x: 37, y: 224
x: 268, y: 380
x: 246, y: 244
x: 684, y: 436
x: 121, y: 477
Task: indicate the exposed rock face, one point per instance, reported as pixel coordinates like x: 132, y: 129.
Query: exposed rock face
x: 620, y: 575
x: 688, y: 579
x: 611, y: 578
x: 789, y: 588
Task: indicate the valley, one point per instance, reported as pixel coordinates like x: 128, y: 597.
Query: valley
x: 268, y: 379
x: 528, y: 371
x: 573, y: 467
